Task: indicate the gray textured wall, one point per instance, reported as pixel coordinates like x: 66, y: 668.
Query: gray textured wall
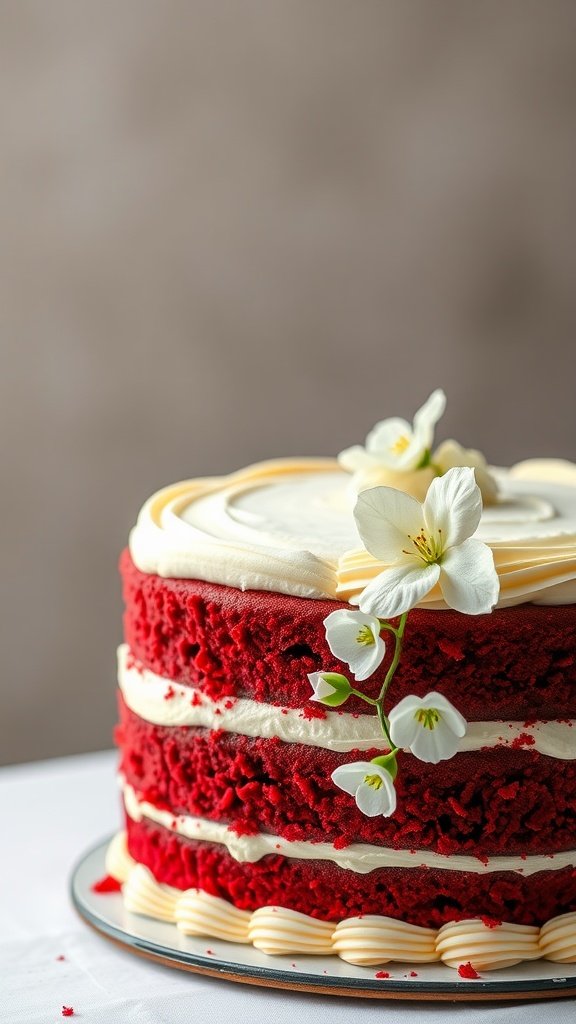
x: 235, y: 230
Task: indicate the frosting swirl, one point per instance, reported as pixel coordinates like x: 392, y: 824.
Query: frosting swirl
x: 287, y: 526
x: 487, y: 948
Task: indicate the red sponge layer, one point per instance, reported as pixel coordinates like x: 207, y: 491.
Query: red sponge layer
x: 325, y: 891
x: 487, y: 802
x: 517, y: 663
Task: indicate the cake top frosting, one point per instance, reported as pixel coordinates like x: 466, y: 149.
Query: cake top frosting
x: 287, y: 526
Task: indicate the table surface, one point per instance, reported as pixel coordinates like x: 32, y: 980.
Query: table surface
x: 52, y: 812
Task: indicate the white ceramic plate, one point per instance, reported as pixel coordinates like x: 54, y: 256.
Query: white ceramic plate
x: 320, y: 974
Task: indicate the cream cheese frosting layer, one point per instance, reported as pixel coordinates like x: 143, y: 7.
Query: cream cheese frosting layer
x: 167, y: 703
x: 287, y: 526
x: 358, y: 857
x: 365, y: 940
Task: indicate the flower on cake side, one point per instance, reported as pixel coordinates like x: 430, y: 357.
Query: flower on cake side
x: 399, y: 454
x: 424, y: 546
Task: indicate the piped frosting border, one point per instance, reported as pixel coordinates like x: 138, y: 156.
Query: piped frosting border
x: 365, y: 941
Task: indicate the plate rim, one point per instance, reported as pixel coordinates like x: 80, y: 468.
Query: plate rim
x: 277, y: 977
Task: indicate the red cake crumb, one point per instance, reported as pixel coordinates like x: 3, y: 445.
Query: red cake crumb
x: 525, y: 739
x: 490, y: 922
x: 210, y: 952
x: 67, y: 1011
x: 457, y: 807
x: 509, y: 792
x: 313, y: 711
x: 170, y: 693
x: 196, y: 699
x: 452, y: 650
x: 467, y: 971
x: 228, y: 704
x: 413, y: 974
x: 61, y: 957
x: 106, y: 884
x: 340, y: 843
x: 382, y: 974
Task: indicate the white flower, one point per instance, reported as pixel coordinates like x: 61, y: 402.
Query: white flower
x: 354, y: 637
x: 329, y: 688
x: 429, y: 726
x: 396, y: 444
x: 370, y: 785
x: 425, y: 545
x: 450, y: 454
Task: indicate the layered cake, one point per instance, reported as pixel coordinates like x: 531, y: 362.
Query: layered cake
x: 347, y: 701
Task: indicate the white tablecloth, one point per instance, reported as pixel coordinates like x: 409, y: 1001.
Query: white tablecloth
x: 51, y: 812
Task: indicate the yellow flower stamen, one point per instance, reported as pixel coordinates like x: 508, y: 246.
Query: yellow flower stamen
x: 400, y: 444
x: 373, y: 780
x: 426, y: 547
x: 365, y: 637
x: 428, y: 718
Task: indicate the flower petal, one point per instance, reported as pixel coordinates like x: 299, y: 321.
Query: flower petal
x: 342, y: 629
x: 383, y: 437
x: 350, y: 776
x: 453, y: 505
x: 468, y: 580
x: 434, y: 745
x: 456, y: 722
x: 369, y: 660
x: 356, y: 458
x: 403, y: 723
x: 450, y: 454
x: 373, y: 801
x: 385, y: 517
x: 319, y: 684
x: 427, y: 417
x: 398, y: 589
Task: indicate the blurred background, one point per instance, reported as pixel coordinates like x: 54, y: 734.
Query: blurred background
x: 239, y: 230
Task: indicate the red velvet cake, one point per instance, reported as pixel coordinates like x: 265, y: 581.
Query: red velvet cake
x: 425, y: 809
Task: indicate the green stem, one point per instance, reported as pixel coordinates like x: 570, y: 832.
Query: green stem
x: 384, y: 726
x: 388, y: 626
x: 363, y: 697
x: 378, y: 703
x: 396, y: 658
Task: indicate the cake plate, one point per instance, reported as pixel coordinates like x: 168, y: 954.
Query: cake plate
x: 322, y: 975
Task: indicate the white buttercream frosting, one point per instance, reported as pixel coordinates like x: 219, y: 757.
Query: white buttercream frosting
x: 366, y: 940
x: 358, y: 857
x: 143, y: 895
x: 276, y: 931
x: 198, y: 913
x: 287, y: 526
x: 119, y: 863
x: 487, y: 948
x: 167, y: 703
x: 558, y: 939
x: 371, y: 940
